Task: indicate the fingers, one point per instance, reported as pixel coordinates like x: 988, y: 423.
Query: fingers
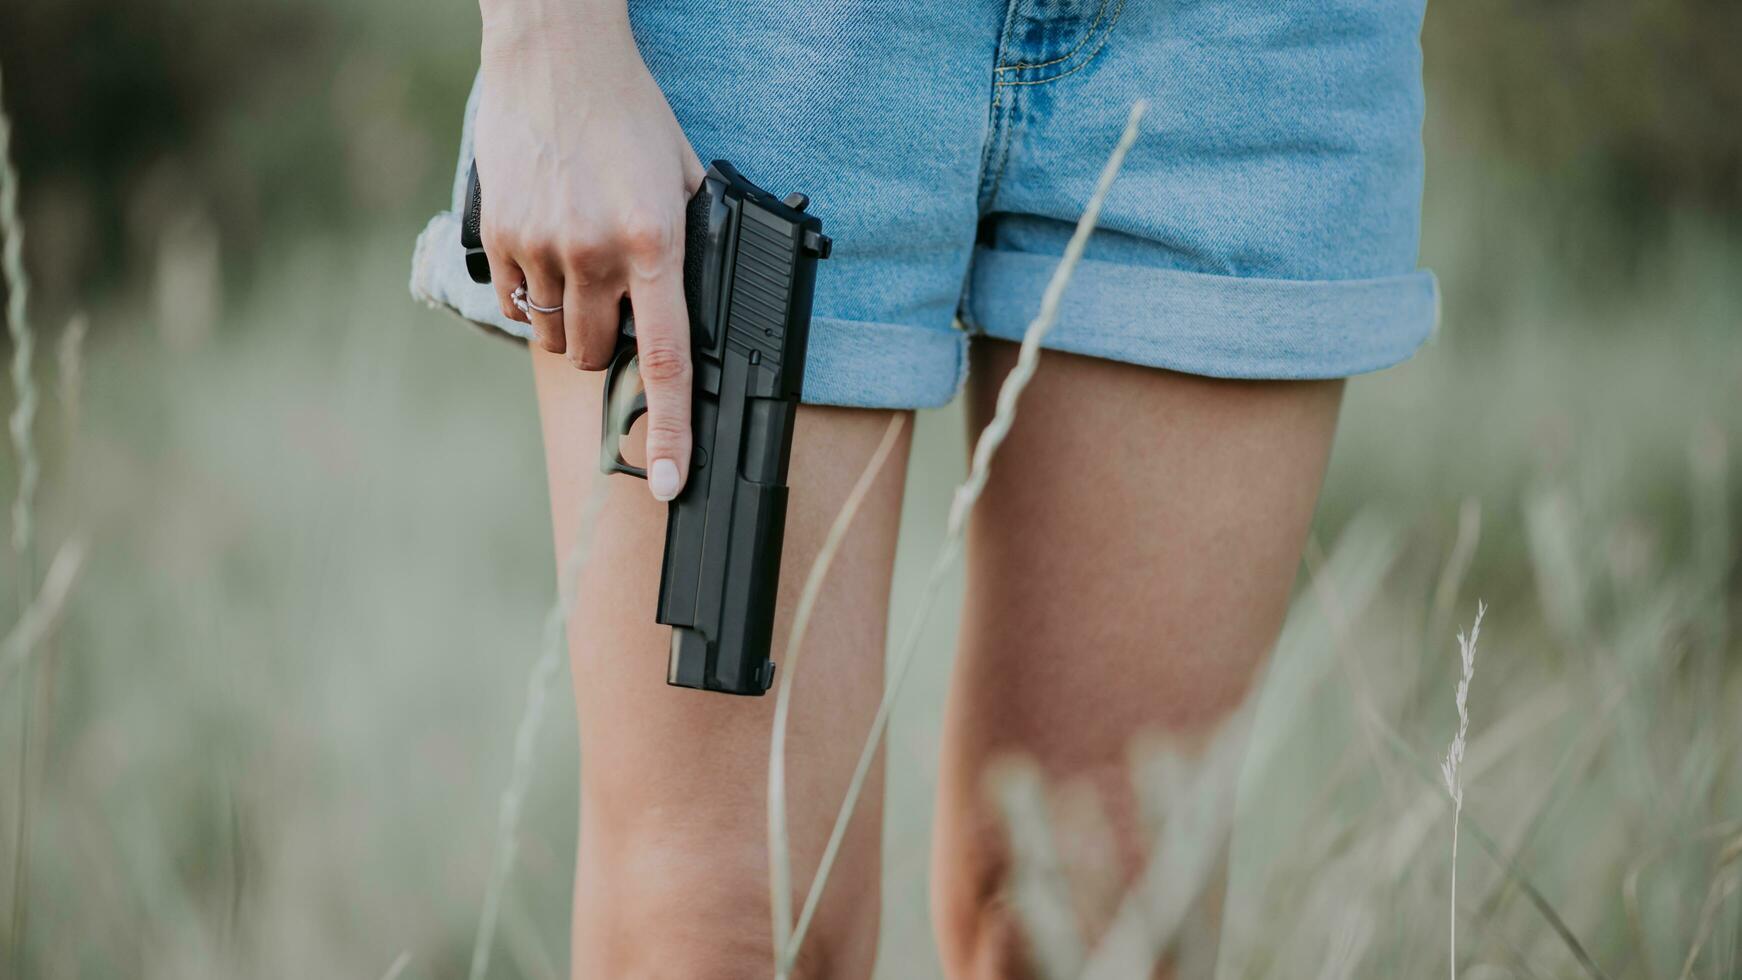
x: 544, y: 287
x: 510, y: 267
x: 581, y: 276
x: 662, y: 338
x: 505, y: 274
x: 591, y: 319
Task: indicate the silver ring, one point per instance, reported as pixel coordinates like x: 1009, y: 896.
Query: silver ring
x: 527, y: 306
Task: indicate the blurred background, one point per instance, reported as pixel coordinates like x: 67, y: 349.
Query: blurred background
x: 268, y: 735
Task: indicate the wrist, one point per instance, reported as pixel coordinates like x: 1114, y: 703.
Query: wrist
x: 516, y: 28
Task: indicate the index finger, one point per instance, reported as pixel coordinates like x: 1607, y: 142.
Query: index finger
x: 662, y: 340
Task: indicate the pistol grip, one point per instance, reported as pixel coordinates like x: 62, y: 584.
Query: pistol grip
x: 625, y: 401
x: 472, y: 230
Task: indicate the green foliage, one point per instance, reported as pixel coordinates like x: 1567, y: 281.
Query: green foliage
x: 1638, y: 102
x: 260, y: 118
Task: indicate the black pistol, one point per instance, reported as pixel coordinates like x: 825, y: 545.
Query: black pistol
x: 750, y: 263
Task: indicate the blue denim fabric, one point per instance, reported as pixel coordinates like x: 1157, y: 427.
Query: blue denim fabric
x: 1264, y: 226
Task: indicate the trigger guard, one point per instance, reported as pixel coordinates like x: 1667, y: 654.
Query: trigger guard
x: 637, y: 408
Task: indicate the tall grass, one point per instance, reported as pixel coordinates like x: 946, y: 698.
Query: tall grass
x: 311, y: 527
x: 43, y: 611
x: 1536, y: 756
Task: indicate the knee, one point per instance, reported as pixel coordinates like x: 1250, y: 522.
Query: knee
x: 1091, y: 858
x: 979, y: 937
x: 977, y: 931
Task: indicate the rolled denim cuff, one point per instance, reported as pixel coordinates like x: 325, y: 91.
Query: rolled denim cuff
x: 1217, y: 326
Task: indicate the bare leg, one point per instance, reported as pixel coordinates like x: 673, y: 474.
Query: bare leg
x: 1129, y: 568
x: 672, y: 876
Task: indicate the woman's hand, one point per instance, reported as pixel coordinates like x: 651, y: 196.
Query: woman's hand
x: 588, y: 177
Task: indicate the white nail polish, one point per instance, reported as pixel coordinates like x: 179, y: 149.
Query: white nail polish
x: 662, y: 479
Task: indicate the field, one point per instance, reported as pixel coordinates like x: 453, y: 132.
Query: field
x: 272, y: 725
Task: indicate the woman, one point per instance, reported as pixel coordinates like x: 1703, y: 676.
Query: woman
x: 1131, y: 560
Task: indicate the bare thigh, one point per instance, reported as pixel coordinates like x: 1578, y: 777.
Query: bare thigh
x: 672, y: 874
x: 1129, y: 568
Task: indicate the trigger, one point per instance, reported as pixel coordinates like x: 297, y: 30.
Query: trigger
x: 636, y: 408
x: 626, y: 398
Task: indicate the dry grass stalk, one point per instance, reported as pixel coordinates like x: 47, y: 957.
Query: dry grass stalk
x: 1349, y: 945
x: 1709, y: 467
x: 1339, y: 621
x: 43, y: 612
x: 70, y: 362
x: 966, y: 495
x: 1452, y: 767
x: 526, y: 735
x: 1194, y: 800
x: 1728, y: 853
x: 398, y: 966
x: 1187, y: 805
x: 1457, y: 567
x: 779, y: 843
x: 523, y: 943
x: 1370, y: 538
x: 1724, y: 884
x: 1556, y: 922
x: 1552, y: 532
x: 1039, y: 886
x: 17, y: 286
x: 23, y: 345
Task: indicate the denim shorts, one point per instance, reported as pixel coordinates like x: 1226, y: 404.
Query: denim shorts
x: 1265, y: 225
